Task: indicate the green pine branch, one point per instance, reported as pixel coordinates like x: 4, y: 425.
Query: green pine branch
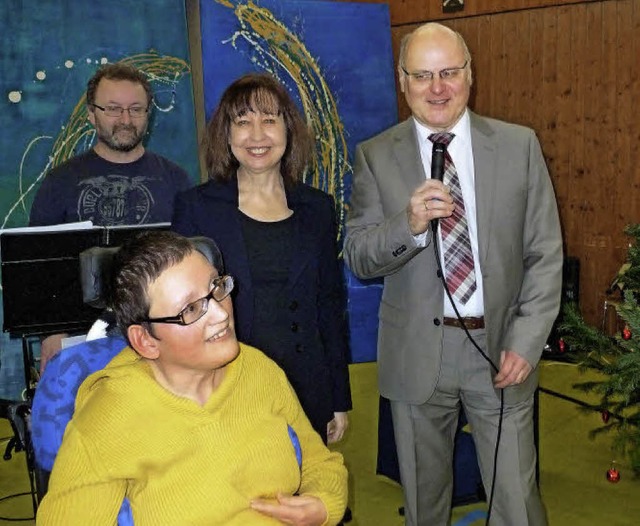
x: 616, y: 359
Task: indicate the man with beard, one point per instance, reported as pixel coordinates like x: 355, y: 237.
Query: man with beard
x: 117, y: 182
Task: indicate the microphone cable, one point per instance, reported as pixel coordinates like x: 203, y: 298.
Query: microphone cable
x: 493, y: 366
x: 437, y: 172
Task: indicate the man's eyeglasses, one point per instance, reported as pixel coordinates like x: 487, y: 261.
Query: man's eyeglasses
x: 135, y: 112
x: 222, y: 287
x: 446, y: 74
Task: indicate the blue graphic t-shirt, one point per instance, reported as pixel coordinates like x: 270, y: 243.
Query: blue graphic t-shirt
x: 90, y: 188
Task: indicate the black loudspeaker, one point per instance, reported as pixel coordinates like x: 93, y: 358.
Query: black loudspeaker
x: 571, y: 280
x: 555, y: 347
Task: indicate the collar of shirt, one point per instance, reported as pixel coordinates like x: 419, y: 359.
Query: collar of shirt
x: 459, y: 149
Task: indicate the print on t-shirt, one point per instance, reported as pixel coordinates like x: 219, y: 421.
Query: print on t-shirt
x: 114, y: 200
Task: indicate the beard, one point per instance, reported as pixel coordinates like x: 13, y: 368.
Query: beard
x: 122, y: 137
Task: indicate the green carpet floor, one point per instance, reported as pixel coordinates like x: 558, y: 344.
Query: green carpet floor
x: 572, y: 466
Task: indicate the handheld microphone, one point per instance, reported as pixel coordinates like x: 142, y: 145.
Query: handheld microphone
x: 437, y: 160
x: 437, y: 170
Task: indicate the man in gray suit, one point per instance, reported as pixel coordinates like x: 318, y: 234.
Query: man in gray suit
x: 482, y: 354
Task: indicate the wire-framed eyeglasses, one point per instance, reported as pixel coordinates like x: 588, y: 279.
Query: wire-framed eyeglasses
x: 447, y: 74
x: 135, y: 112
x: 222, y: 287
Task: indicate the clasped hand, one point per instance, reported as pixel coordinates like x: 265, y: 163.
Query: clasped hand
x: 431, y: 200
x: 303, y: 510
x: 514, y: 370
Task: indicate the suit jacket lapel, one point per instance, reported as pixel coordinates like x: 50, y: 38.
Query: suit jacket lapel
x: 301, y: 246
x: 224, y: 211
x: 407, y: 154
x: 485, y: 160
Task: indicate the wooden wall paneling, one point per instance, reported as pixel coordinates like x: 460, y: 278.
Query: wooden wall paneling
x: 495, y: 84
x: 615, y: 82
x: 411, y: 11
x: 587, y: 247
x: 609, y: 183
x: 611, y: 189
x: 545, y: 120
x: 518, y: 66
x: 625, y: 64
x: 627, y: 127
x: 634, y: 97
x: 609, y: 155
x: 572, y: 207
x: 536, y: 57
x: 562, y: 97
x: 476, y: 37
x: 482, y: 48
x: 601, y: 229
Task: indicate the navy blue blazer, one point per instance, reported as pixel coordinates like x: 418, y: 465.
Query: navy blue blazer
x: 314, y: 355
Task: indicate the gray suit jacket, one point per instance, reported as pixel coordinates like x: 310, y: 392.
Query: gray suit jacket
x: 520, y: 250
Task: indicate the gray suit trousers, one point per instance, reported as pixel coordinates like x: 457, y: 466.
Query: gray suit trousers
x: 424, y: 436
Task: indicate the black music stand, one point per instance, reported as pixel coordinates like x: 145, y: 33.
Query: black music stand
x: 42, y: 292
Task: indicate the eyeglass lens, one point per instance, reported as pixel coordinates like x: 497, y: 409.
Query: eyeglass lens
x: 222, y: 287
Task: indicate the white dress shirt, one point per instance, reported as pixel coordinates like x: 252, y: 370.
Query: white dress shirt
x: 461, y: 153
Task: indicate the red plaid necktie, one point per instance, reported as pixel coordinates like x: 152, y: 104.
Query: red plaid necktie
x: 458, y: 257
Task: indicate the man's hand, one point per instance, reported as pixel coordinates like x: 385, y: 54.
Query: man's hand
x: 431, y: 200
x: 514, y: 370
x: 298, y: 511
x: 337, y: 427
x: 49, y: 347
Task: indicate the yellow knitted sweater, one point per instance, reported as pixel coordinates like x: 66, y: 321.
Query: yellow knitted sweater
x: 182, y: 464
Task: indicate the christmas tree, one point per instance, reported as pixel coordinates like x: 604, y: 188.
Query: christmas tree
x: 617, y: 357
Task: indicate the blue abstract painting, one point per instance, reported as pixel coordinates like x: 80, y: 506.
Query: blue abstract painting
x: 337, y: 62
x: 48, y: 51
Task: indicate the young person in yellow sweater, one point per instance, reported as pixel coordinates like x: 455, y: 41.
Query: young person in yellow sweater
x: 188, y: 424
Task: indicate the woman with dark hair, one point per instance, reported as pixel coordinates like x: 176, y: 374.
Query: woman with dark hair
x: 278, y: 238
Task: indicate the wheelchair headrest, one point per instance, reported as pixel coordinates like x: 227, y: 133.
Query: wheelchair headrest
x: 96, y: 264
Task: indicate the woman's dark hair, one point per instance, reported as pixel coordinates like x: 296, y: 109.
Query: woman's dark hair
x: 256, y: 92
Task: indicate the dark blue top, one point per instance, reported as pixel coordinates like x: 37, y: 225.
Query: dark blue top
x: 268, y: 246
x: 312, y: 347
x: 90, y: 188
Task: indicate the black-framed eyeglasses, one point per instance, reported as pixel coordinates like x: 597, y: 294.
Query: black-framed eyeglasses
x: 135, y: 112
x: 446, y: 74
x: 222, y: 287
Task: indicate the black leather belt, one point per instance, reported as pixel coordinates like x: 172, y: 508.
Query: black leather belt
x: 470, y: 322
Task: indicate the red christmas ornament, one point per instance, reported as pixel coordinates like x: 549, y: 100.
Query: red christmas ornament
x: 626, y: 333
x: 561, y: 345
x: 613, y: 474
x: 605, y: 416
